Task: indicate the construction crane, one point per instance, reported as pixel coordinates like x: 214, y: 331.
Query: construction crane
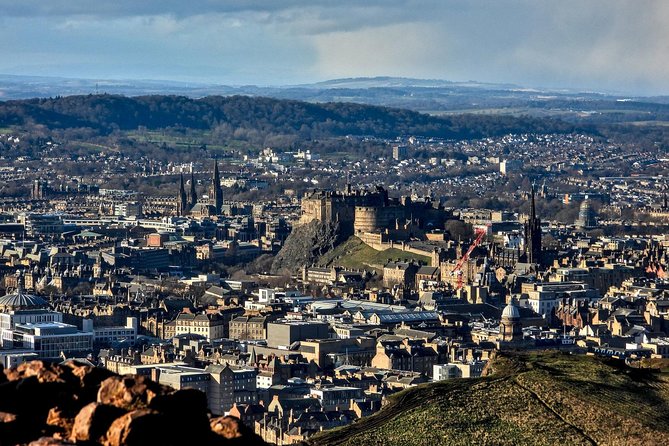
x: 479, y: 233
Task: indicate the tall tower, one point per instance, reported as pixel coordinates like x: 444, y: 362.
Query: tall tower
x: 533, y: 234
x: 192, y: 198
x: 586, y: 215
x: 182, y: 202
x: 217, y: 190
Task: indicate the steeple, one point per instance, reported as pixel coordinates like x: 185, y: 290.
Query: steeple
x: 182, y: 202
x: 533, y: 233
x: 216, y: 189
x: 192, y: 199
x: 533, y: 211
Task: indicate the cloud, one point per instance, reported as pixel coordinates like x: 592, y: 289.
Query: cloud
x: 612, y: 44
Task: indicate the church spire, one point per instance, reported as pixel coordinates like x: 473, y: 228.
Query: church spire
x: 217, y: 190
x: 192, y: 201
x: 182, y: 203
x: 533, y: 211
x: 533, y: 233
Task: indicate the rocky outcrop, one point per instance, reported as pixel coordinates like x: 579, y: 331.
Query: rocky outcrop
x: 48, y: 404
x: 305, y: 244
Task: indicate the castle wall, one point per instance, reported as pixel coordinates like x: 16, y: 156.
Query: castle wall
x: 373, y: 219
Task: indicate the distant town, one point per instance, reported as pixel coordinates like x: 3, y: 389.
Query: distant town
x: 299, y: 288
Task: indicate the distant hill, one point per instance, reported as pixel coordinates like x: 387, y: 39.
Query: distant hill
x: 403, y: 82
x: 433, y: 96
x: 530, y: 399
x: 106, y: 113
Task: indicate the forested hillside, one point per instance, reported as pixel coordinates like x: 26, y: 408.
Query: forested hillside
x: 106, y: 113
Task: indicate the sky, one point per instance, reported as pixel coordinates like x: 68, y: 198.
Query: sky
x: 594, y: 45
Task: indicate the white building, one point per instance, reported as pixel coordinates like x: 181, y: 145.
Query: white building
x: 115, y: 334
x: 452, y: 370
x: 48, y: 339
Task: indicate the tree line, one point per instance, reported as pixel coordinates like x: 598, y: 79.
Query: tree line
x: 233, y: 116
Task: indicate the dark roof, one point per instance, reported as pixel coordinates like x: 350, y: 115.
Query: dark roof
x: 21, y: 301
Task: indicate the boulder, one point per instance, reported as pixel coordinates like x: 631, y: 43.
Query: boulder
x: 93, y: 421
x: 8, y: 425
x: 49, y: 441
x: 187, y: 407
x: 45, y: 372
x: 129, y: 392
x: 61, y: 419
x: 228, y: 427
x: 234, y: 432
x: 139, y: 428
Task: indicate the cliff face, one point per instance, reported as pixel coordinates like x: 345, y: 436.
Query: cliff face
x: 528, y: 399
x: 51, y: 404
x: 305, y: 244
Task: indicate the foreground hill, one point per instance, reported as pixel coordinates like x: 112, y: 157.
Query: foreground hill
x: 530, y: 399
x: 106, y: 113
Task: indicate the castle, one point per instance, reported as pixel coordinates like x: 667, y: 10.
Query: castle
x: 364, y: 211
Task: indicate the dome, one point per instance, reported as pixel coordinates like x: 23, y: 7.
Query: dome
x: 511, y: 312
x: 21, y: 301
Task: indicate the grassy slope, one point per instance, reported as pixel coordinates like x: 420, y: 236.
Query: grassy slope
x: 353, y: 253
x: 534, y: 399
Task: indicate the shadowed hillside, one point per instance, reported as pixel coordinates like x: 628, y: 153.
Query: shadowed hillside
x: 529, y: 399
x: 235, y: 114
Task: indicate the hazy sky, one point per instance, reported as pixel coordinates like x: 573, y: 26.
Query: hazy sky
x: 590, y: 44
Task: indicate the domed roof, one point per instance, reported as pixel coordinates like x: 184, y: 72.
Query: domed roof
x: 21, y: 301
x: 511, y: 312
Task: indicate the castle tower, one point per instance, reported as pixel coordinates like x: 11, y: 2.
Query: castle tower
x: 533, y: 234
x: 192, y: 197
x: 217, y: 191
x: 182, y: 202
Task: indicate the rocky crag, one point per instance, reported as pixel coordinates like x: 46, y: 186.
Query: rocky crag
x: 305, y: 244
x: 64, y: 404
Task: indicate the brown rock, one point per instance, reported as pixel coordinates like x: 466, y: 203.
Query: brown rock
x: 89, y: 379
x: 44, y: 371
x: 139, y: 428
x: 9, y: 424
x: 60, y: 419
x: 129, y: 391
x: 49, y: 441
x: 88, y: 376
x: 234, y: 432
x: 187, y: 407
x: 6, y: 417
x: 228, y: 427
x: 93, y: 421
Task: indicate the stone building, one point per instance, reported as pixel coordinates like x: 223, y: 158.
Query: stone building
x: 415, y: 355
x: 510, y: 326
x: 248, y: 328
x: 400, y: 273
x: 230, y: 384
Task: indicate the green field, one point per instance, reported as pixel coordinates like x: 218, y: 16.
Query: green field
x: 353, y: 253
x: 530, y: 399
x: 195, y: 139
